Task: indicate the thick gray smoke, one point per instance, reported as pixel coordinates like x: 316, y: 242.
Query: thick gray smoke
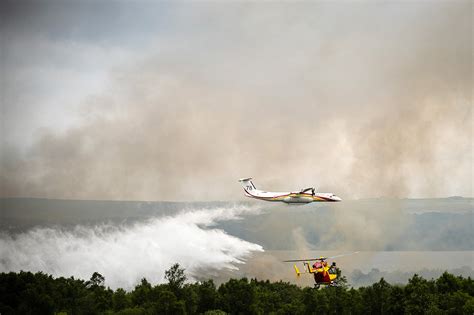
x: 362, y: 99
x: 125, y: 254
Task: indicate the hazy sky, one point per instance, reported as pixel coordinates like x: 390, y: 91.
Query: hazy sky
x: 176, y: 101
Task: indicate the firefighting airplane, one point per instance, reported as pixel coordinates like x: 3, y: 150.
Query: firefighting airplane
x: 307, y: 195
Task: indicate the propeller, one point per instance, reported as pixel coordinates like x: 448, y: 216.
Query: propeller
x: 321, y: 258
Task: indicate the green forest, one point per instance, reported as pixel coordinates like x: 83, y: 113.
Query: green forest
x: 39, y: 293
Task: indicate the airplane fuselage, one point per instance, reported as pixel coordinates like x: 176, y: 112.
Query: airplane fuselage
x: 300, y: 197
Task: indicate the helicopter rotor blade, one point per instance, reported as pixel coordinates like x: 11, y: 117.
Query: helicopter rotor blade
x: 310, y: 259
x: 321, y: 258
x: 342, y: 255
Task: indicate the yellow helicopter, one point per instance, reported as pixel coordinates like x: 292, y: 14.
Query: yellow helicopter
x: 324, y: 274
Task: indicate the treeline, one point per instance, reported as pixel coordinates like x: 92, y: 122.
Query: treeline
x: 28, y: 293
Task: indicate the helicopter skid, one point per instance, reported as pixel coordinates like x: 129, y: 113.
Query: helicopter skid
x: 325, y: 284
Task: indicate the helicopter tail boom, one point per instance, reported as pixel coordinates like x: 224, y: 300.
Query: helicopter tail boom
x: 298, y: 273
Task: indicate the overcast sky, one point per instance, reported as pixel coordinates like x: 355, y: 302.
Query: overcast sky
x: 176, y: 101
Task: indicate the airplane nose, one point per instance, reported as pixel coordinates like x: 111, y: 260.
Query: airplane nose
x: 336, y: 198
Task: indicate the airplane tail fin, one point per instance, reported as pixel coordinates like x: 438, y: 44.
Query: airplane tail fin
x: 247, y: 184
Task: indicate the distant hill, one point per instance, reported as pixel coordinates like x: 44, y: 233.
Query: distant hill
x: 18, y: 214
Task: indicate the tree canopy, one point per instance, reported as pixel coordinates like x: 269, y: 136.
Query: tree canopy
x: 39, y: 293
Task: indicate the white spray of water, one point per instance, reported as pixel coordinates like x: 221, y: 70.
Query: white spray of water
x: 125, y: 254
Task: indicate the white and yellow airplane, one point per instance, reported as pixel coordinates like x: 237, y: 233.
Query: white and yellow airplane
x: 303, y: 196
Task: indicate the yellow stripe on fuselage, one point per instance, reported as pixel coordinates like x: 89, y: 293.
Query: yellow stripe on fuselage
x: 315, y: 198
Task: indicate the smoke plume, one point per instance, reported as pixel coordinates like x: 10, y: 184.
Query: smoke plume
x: 361, y: 99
